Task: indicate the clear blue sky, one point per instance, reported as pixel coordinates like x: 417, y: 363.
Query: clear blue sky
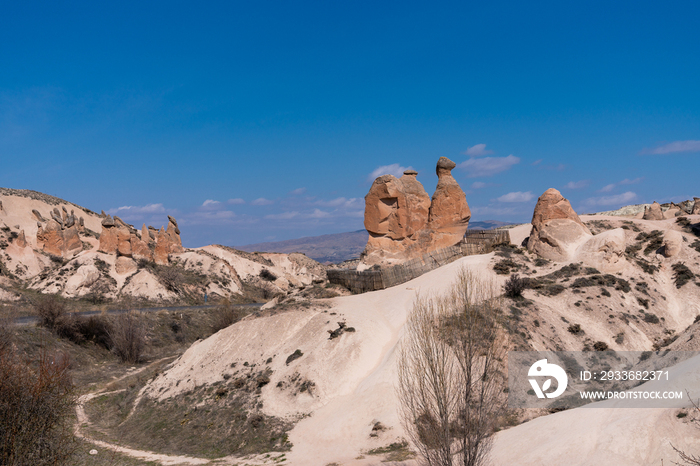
x: 258, y: 121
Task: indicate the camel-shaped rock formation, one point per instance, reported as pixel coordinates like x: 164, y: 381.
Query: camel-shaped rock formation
x: 404, y: 222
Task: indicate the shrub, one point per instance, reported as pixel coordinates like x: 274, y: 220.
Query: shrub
x: 682, y: 274
x: 36, y: 403
x: 575, y: 329
x: 128, y: 336
x: 600, y: 346
x: 294, y: 356
x: 651, y: 318
x: 503, y: 267
x: 267, y: 275
x: 226, y: 316
x: 514, y: 286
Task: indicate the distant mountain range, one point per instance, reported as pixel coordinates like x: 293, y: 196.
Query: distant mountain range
x: 337, y: 247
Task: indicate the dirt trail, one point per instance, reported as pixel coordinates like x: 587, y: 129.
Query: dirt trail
x: 83, y: 421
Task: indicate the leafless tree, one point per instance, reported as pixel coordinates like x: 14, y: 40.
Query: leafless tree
x: 128, y: 336
x: 690, y: 460
x: 451, y: 373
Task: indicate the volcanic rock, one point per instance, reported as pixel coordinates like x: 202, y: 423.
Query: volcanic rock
x: 125, y: 265
x: 449, y: 211
x: 403, y: 222
x: 556, y: 229
x: 21, y: 240
x: 673, y: 241
x: 653, y: 212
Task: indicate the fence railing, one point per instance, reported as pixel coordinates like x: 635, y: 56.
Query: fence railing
x: 474, y: 242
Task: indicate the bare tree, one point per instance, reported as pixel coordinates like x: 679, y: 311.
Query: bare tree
x: 450, y: 370
x: 690, y: 460
x: 128, y: 336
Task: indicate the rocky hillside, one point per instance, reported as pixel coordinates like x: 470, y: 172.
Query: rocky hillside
x: 53, y: 246
x: 593, y: 282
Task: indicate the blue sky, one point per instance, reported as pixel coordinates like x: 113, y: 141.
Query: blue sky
x: 259, y: 121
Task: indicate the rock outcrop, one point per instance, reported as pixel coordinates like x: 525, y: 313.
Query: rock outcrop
x: 57, y: 238
x: 403, y: 222
x: 449, y: 211
x: 653, y: 212
x: 696, y: 206
x: 123, y: 240
x: 21, y: 240
x: 557, y: 231
x: 672, y: 243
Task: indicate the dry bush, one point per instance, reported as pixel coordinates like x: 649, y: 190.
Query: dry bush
x: 514, y: 286
x: 451, y: 370
x: 53, y: 314
x: 226, y: 315
x: 128, y: 336
x: 35, y: 408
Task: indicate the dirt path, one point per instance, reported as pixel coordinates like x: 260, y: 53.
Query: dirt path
x: 83, y: 422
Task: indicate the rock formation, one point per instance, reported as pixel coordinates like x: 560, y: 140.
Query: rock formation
x: 673, y: 241
x: 556, y: 229
x: 653, y: 212
x: 403, y: 222
x: 696, y: 206
x: 57, y: 238
x: 123, y: 240
x: 21, y: 240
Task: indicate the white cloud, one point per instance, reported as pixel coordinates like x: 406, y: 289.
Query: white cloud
x: 488, y: 166
x: 393, y: 169
x: 298, y: 191
x: 516, y: 196
x: 130, y: 209
x: 341, y: 202
x: 262, y: 201
x: 536, y: 162
x: 477, y: 150
x: 611, y: 186
x: 618, y: 199
x: 674, y: 147
x: 576, y: 184
x: 235, y: 201
x: 317, y: 213
x: 634, y: 181
x: 211, y: 204
x: 479, y: 185
x: 282, y: 216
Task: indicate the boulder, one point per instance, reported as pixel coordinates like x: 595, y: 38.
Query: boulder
x: 672, y: 243
x: 125, y: 265
x: 123, y: 241
x: 696, y: 206
x: 557, y: 231
x: 604, y: 251
x: 82, y: 279
x: 653, y: 212
x: 21, y: 240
